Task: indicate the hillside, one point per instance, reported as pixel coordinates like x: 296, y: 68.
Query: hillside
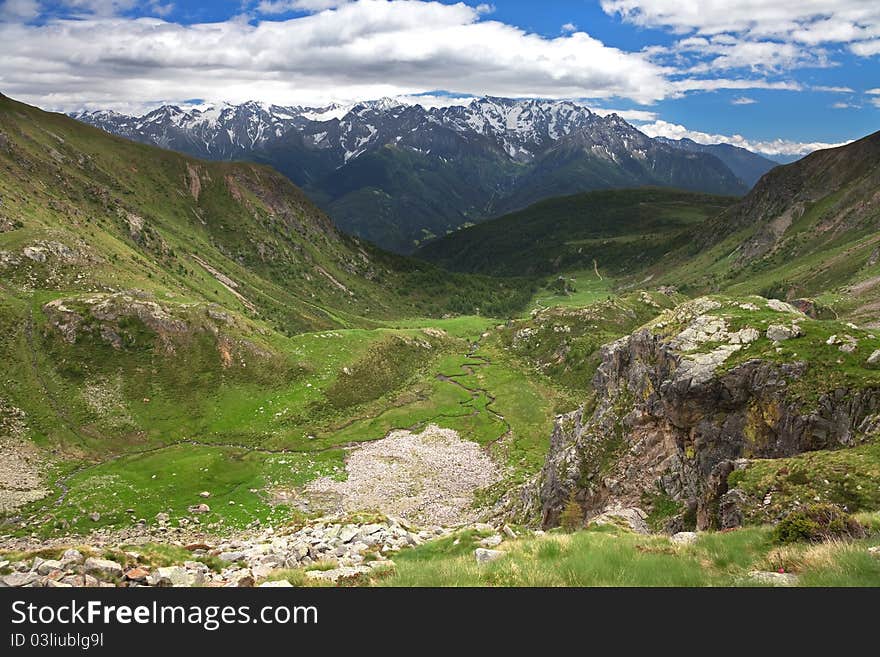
x: 155, y: 308
x: 745, y: 165
x: 151, y: 219
x: 807, y: 229
x: 621, y: 231
x: 400, y: 175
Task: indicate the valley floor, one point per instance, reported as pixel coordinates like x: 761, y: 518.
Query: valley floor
x: 264, y: 455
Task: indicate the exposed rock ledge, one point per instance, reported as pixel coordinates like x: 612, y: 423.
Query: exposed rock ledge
x: 672, y: 420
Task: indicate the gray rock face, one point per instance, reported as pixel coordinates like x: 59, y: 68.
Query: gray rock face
x: 670, y: 421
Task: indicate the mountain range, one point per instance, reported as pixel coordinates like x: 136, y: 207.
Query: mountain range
x: 400, y: 175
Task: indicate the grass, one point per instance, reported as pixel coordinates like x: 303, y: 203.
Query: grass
x: 609, y: 556
x: 596, y: 556
x: 621, y: 230
x: 170, y: 479
x: 847, y: 477
x: 588, y: 289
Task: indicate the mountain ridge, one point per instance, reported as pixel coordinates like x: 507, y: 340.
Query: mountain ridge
x: 473, y: 162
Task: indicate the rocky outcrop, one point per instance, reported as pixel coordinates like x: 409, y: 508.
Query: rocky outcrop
x: 350, y: 549
x: 674, y: 416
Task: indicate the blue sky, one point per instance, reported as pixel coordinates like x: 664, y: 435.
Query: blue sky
x: 780, y: 76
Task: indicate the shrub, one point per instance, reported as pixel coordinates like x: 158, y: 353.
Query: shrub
x: 572, y: 517
x: 816, y: 523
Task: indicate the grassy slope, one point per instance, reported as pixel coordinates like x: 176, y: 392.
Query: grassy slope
x: 610, y: 556
x: 621, y: 229
x: 258, y: 387
x: 808, y: 229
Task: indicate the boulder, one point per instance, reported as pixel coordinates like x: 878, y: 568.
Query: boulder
x: 49, y: 566
x: 491, y: 541
x: 770, y: 578
x: 102, y: 568
x: 632, y: 518
x: 484, y: 555
x: 874, y: 358
x: 176, y: 576
x: 335, y: 574
x: 199, y: 508
x: 17, y: 580
x: 137, y: 574
x: 684, y: 538
x: 71, y: 558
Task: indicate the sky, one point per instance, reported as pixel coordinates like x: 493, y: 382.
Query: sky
x: 781, y: 77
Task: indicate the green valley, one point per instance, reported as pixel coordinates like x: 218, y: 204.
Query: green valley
x: 645, y: 387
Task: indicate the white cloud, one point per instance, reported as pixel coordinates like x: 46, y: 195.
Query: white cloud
x: 429, y: 101
x: 866, y: 48
x: 282, y: 6
x: 724, y: 52
x: 365, y: 49
x: 842, y: 105
x: 569, y: 27
x: 485, y: 8
x: 627, y: 115
x: 805, y: 21
x: 759, y: 35
x: 718, y: 84
x: 832, y: 89
x: 19, y: 9
x: 661, y: 128
x: 743, y: 100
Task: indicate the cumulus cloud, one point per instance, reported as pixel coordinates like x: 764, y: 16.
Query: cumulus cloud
x: 832, y: 89
x: 282, y: 6
x: 743, y: 100
x: 19, y: 9
x: 756, y: 35
x: 626, y: 115
x: 805, y: 21
x: 773, y: 147
x: 360, y: 49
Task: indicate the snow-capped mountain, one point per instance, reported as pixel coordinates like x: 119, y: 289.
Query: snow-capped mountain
x: 398, y: 173
x: 217, y: 132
